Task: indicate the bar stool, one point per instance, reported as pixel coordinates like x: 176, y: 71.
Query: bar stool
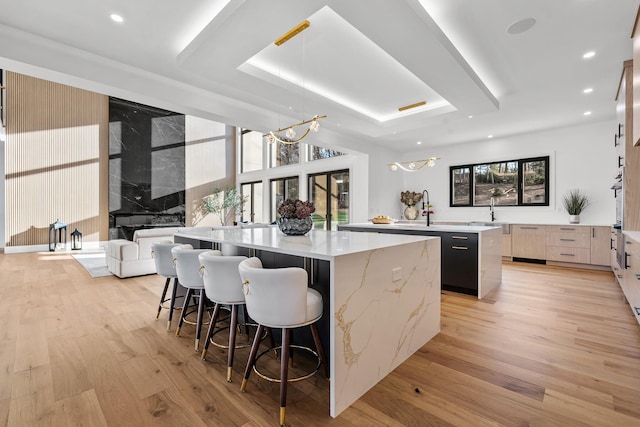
x: 161, y: 253
x: 280, y: 298
x: 188, y: 270
x: 223, y: 286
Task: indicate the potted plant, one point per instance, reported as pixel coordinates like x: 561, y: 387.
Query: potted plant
x: 295, y: 217
x: 575, y: 201
x: 225, y: 202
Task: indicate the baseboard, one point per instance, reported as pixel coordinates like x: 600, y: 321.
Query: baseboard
x: 576, y: 265
x: 45, y: 248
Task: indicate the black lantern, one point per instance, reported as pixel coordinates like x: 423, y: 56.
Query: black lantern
x: 76, y: 240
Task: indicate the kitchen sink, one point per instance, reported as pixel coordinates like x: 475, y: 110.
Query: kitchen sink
x: 506, y: 227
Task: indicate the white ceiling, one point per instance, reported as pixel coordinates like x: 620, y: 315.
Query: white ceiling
x: 357, y: 63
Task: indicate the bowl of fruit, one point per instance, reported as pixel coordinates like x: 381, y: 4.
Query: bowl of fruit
x: 382, y: 219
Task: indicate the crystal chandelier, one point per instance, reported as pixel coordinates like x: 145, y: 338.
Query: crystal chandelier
x: 413, y: 165
x: 287, y: 135
x: 290, y: 133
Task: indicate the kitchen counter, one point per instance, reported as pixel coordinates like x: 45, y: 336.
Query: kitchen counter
x: 635, y: 235
x: 381, y: 295
x: 318, y: 244
x: 471, y: 257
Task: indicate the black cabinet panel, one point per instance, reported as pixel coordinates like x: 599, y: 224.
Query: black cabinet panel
x: 460, y: 261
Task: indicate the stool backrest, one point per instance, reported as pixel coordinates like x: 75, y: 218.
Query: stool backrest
x: 221, y: 277
x: 161, y: 253
x: 275, y: 297
x: 188, y: 266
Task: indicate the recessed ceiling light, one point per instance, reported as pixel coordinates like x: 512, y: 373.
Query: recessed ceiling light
x: 470, y: 117
x: 589, y: 54
x: 588, y: 90
x: 521, y: 26
x: 489, y: 136
x: 419, y: 142
x: 587, y: 113
x: 116, y: 18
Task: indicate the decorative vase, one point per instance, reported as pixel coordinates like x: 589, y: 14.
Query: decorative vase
x: 295, y: 226
x: 574, y: 219
x: 411, y: 212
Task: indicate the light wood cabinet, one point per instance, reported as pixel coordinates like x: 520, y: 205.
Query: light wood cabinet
x: 630, y: 282
x: 568, y: 244
x: 506, y: 245
x: 528, y: 241
x: 600, y: 245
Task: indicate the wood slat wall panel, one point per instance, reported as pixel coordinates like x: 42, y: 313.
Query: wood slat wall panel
x: 56, y: 160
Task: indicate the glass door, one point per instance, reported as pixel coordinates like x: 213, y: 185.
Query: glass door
x: 252, y: 211
x: 329, y: 192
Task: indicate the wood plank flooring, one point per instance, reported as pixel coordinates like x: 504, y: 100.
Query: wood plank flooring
x: 552, y: 347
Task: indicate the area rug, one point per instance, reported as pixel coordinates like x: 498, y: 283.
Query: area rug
x: 94, y: 262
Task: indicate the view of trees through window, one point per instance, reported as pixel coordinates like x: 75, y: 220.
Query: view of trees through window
x: 282, y: 189
x: 317, y: 153
x: 521, y: 182
x: 284, y: 154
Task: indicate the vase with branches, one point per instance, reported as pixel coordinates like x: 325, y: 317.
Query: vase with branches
x: 224, y: 202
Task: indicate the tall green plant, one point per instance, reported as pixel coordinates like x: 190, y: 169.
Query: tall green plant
x: 224, y: 202
x: 575, y: 201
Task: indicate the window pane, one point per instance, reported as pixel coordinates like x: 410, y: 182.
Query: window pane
x: 251, y: 149
x: 534, y: 180
x: 284, y: 154
x: 257, y: 214
x: 318, y: 195
x: 317, y: 153
x: 497, y: 180
x: 339, y: 199
x: 253, y: 207
x: 460, y: 186
x: 281, y: 189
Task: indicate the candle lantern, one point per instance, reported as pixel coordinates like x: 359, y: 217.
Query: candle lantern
x: 55, y: 235
x: 76, y: 240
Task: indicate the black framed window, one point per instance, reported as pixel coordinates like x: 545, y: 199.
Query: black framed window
x: 521, y: 182
x: 252, y: 211
x: 281, y: 189
x: 250, y: 150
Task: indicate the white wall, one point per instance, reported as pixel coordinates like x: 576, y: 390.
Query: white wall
x: 580, y: 157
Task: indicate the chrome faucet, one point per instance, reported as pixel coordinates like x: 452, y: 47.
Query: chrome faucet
x: 425, y: 208
x: 493, y: 214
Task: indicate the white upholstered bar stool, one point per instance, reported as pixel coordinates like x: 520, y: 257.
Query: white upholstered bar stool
x: 280, y: 298
x: 161, y: 253
x: 223, y: 286
x: 188, y: 270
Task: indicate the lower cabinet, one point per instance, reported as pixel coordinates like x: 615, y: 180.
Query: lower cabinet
x: 460, y: 262
x: 528, y: 241
x: 600, y: 245
x: 630, y: 282
x: 569, y: 244
x: 574, y: 244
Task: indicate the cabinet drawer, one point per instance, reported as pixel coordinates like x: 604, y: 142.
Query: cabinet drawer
x: 569, y: 240
x: 580, y: 229
x: 568, y: 254
x: 632, y: 247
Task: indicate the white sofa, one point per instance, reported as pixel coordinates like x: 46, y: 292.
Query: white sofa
x: 127, y: 258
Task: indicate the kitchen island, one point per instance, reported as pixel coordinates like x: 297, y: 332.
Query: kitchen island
x: 471, y: 255
x: 381, y: 295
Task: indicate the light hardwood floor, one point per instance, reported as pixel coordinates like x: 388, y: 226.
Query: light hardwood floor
x: 552, y: 347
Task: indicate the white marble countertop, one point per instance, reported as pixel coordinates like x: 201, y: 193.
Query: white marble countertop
x: 422, y: 226
x: 634, y: 235
x: 317, y: 244
x: 519, y: 222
